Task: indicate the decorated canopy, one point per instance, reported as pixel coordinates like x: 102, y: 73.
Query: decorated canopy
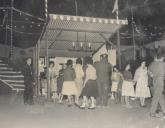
x: 77, y: 36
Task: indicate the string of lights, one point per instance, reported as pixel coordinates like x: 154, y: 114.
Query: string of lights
x: 27, y: 33
x: 33, y: 24
x: 148, y: 4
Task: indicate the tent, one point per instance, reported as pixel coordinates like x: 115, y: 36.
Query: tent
x: 64, y: 31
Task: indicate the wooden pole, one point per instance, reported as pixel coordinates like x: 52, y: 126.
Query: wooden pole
x: 38, y: 58
x: 47, y: 65
x: 37, y: 70
x: 133, y: 36
x: 47, y: 52
x: 35, y: 67
x: 6, y: 33
x: 118, y: 42
x: 76, y: 7
x: 11, y: 31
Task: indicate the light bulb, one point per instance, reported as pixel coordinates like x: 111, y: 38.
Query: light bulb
x: 100, y: 20
x: 94, y: 20
x: 75, y: 18
x: 89, y: 45
x: 61, y: 17
x: 81, y: 44
x: 73, y: 44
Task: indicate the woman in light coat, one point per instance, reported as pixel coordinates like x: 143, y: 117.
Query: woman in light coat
x: 141, y: 79
x: 52, y: 80
x: 79, y: 79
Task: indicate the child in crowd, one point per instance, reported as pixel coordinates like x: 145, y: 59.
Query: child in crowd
x: 116, y: 84
x: 60, y: 80
x: 69, y: 87
x: 128, y: 86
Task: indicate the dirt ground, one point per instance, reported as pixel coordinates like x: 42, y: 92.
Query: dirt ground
x: 14, y: 114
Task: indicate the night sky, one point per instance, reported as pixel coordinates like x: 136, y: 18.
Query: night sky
x: 148, y: 18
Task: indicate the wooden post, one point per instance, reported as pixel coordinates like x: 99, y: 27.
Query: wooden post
x: 38, y: 58
x: 47, y: 51
x: 11, y: 31
x: 76, y: 7
x: 37, y: 70
x: 118, y: 42
x: 47, y: 65
x: 133, y: 36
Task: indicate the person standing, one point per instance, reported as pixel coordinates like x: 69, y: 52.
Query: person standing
x: 60, y: 81
x: 29, y: 82
x: 142, y: 88
x: 157, y: 72
x: 41, y: 76
x: 90, y: 85
x: 79, y: 79
x: 69, y: 87
x: 103, y: 70
x: 128, y: 86
x: 52, y: 80
x: 116, y: 84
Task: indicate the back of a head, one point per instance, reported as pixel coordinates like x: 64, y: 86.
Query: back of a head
x: 69, y: 63
x: 88, y: 60
x: 79, y: 61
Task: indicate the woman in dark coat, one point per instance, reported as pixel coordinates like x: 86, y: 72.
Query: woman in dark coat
x: 60, y: 81
x: 69, y: 87
x: 90, y: 90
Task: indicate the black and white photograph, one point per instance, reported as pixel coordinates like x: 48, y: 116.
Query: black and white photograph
x: 82, y: 63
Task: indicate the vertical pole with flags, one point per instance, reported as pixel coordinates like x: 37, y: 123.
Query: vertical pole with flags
x: 116, y: 10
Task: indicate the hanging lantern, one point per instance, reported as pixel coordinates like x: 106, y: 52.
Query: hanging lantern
x: 81, y: 44
x: 100, y: 20
x: 94, y: 20
x: 89, y: 45
x: 73, y: 44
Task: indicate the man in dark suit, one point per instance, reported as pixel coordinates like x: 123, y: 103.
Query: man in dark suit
x: 29, y: 82
x: 103, y: 70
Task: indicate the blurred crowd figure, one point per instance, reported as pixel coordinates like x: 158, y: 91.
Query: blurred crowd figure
x: 103, y: 71
x: 29, y: 82
x: 92, y: 84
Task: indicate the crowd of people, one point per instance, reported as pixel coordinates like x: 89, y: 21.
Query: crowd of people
x: 91, y: 84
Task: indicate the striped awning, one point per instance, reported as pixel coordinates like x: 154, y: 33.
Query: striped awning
x: 64, y: 30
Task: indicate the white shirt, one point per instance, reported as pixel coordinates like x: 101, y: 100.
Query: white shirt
x: 91, y: 73
x: 79, y: 71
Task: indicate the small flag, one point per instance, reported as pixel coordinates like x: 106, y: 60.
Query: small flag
x: 115, y: 8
